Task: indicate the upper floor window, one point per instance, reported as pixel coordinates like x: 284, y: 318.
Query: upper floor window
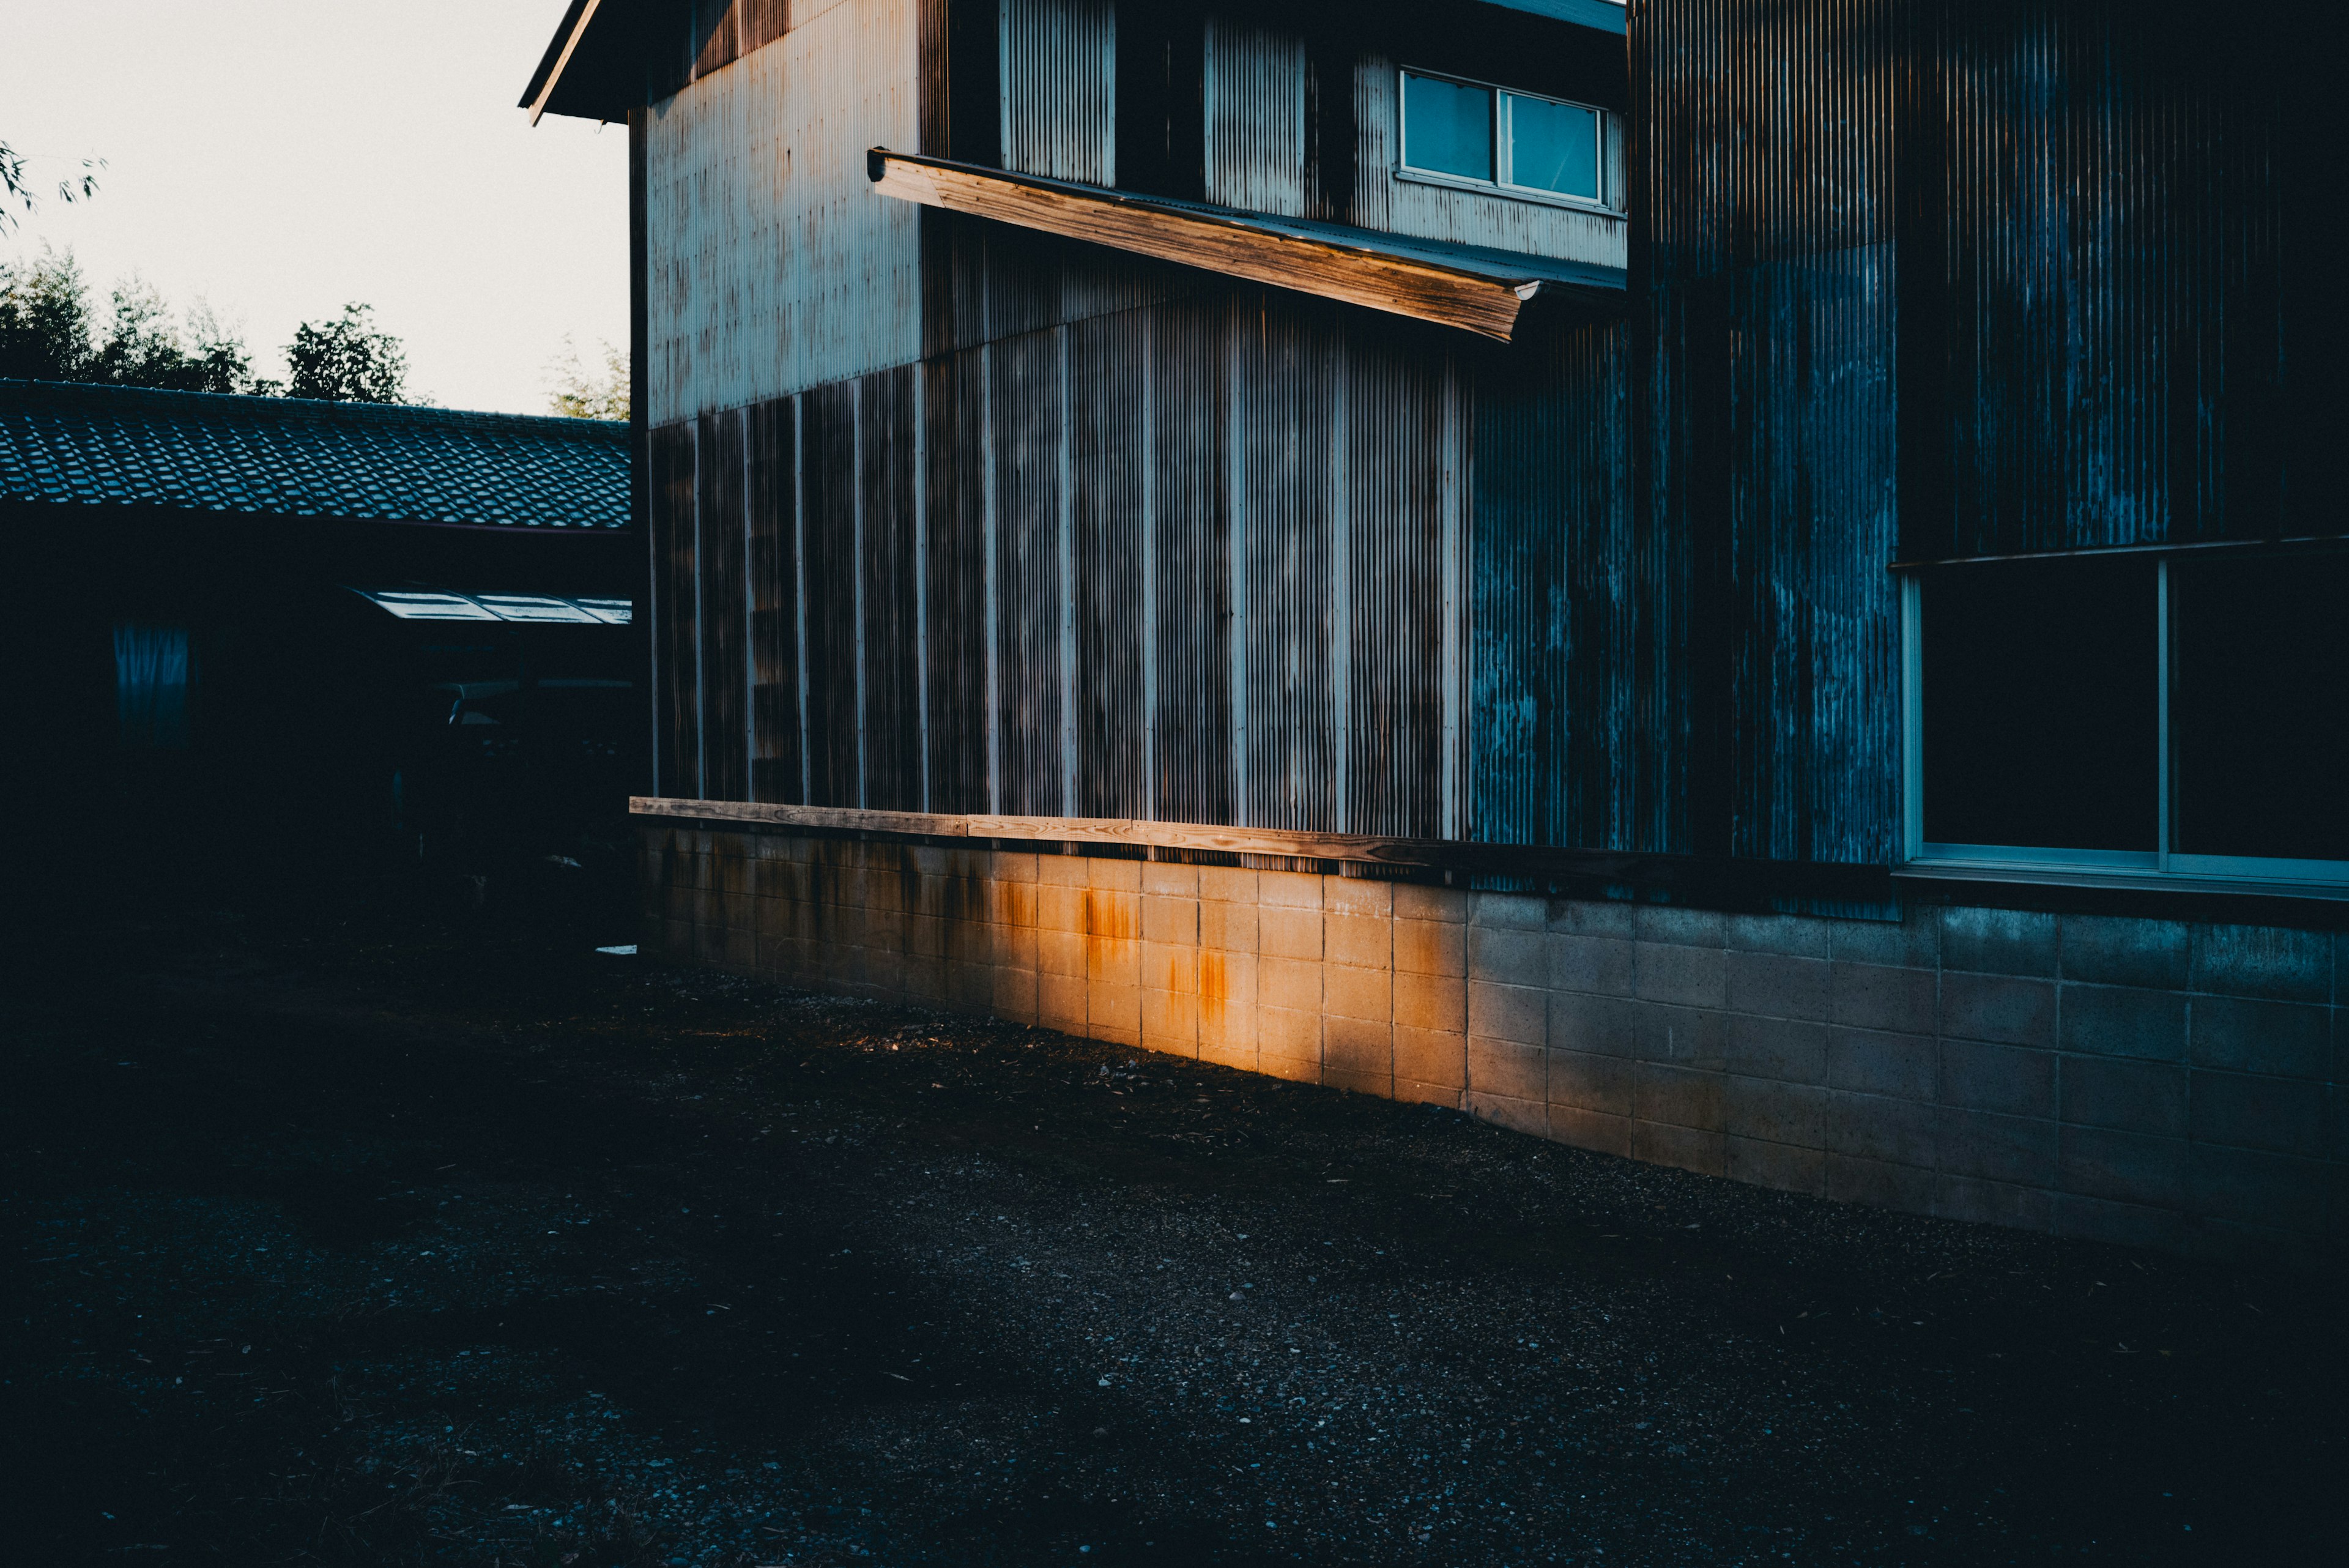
x: 1514, y: 141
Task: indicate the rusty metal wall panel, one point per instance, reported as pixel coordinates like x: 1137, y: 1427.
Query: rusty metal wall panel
x: 773, y: 268
x: 771, y: 487
x: 675, y: 595
x: 1109, y: 445
x: 1557, y: 615
x: 1028, y: 410
x: 828, y: 479
x: 725, y: 609
x: 1191, y: 773
x: 1059, y: 88
x: 889, y: 673
x: 954, y: 527
x: 1254, y: 109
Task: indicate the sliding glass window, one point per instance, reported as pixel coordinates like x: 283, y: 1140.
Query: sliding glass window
x: 1460, y: 132
x: 2128, y: 718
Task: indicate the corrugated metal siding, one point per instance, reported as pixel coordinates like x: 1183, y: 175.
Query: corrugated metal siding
x: 1191, y: 773
x: 828, y: 476
x: 1109, y: 442
x: 675, y: 595
x: 955, y: 522
x: 725, y: 607
x: 1059, y: 88
x: 889, y: 672
x: 1255, y: 117
x: 773, y: 268
x: 771, y: 488
x: 1027, y: 407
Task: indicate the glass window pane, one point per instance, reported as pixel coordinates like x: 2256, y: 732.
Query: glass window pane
x: 1447, y: 129
x: 2259, y: 706
x: 1553, y: 146
x: 2041, y: 705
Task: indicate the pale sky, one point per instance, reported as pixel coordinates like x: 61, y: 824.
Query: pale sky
x: 280, y: 157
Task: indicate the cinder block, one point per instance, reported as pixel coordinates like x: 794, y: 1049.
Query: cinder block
x: 1061, y: 907
x: 1117, y: 1007
x: 1061, y: 953
x: 1608, y: 1025
x: 1781, y: 1112
x: 1590, y: 1082
x: 1365, y: 897
x: 1229, y: 1050
x: 1230, y: 926
x: 1430, y: 947
x: 1597, y: 964
x: 1509, y: 912
x: 926, y: 859
x: 1683, y: 976
x: 1357, y: 993
x: 2121, y: 1021
x: 2247, y: 1187
x: 1782, y: 1048
x: 1359, y: 1047
x: 1792, y: 935
x: 1998, y: 941
x: 1379, y: 1085
x: 2285, y: 1038
x: 2008, y: 1079
x: 1873, y: 1127
x: 1009, y: 866
x: 1365, y: 942
x: 1872, y: 996
x: 1012, y: 947
x: 1112, y: 916
x: 1593, y: 1130
x: 1434, y: 1058
x: 1227, y: 981
x: 1984, y: 1202
x: 2282, y: 1115
x: 1283, y: 932
x: 1673, y: 925
x: 1682, y: 1037
x: 970, y: 987
x: 2264, y: 962
x: 1110, y: 962
x: 1450, y: 1096
x: 1111, y: 875
x: 1508, y: 1011
x: 1162, y: 879
x: 1227, y: 884
x: 1690, y: 1149
x: 1999, y: 1008
x: 1170, y: 966
x: 1675, y: 1095
x: 2128, y: 1096
x: 1508, y: 956
x: 1506, y: 1067
x: 1881, y: 1184
x: 1061, y: 1002
x: 1905, y: 1066
x: 1593, y: 918
x: 1420, y: 901
x: 2020, y: 1151
x: 1292, y: 984
x: 1010, y: 903
x: 1288, y: 1034
x: 2092, y: 1218
x: 1014, y: 994
x: 1289, y: 889
x: 1518, y: 1116
x: 1170, y: 919
x: 1432, y: 1002
x: 2128, y: 1168
x: 2103, y: 950
x: 1780, y: 1166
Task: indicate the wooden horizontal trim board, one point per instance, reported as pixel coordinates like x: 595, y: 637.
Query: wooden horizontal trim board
x: 1484, y: 292
x: 1714, y: 883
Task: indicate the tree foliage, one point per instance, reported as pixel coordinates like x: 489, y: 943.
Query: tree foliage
x: 16, y: 185
x: 50, y: 331
x: 584, y: 394
x: 347, y: 360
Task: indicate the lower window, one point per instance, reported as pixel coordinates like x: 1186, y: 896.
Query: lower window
x: 2125, y: 717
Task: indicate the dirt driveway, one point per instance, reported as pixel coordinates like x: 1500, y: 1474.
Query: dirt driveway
x: 372, y: 1246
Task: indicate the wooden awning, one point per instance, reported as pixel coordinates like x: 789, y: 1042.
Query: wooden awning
x: 1476, y: 290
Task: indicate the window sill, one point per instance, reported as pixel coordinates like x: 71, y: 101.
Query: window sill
x: 1524, y: 193
x: 2185, y: 874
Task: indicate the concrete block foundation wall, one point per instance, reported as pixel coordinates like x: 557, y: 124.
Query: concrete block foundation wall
x: 2146, y: 1082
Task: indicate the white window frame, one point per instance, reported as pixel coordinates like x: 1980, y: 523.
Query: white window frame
x: 2160, y: 868
x: 1606, y: 202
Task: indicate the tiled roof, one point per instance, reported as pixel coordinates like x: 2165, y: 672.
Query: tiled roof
x: 290, y: 457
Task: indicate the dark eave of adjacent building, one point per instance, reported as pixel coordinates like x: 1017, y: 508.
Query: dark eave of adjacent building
x: 1465, y: 286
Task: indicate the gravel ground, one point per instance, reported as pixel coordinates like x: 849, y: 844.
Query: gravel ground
x: 386, y: 1246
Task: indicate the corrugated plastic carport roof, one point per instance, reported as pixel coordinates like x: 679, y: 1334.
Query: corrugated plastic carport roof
x: 290, y: 457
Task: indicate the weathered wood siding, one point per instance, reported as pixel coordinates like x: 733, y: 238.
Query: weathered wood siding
x: 772, y: 268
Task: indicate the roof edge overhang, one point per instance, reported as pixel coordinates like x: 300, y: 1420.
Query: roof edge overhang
x: 1462, y: 287
x: 598, y: 64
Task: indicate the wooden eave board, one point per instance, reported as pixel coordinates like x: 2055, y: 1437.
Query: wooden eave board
x: 1473, y: 301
